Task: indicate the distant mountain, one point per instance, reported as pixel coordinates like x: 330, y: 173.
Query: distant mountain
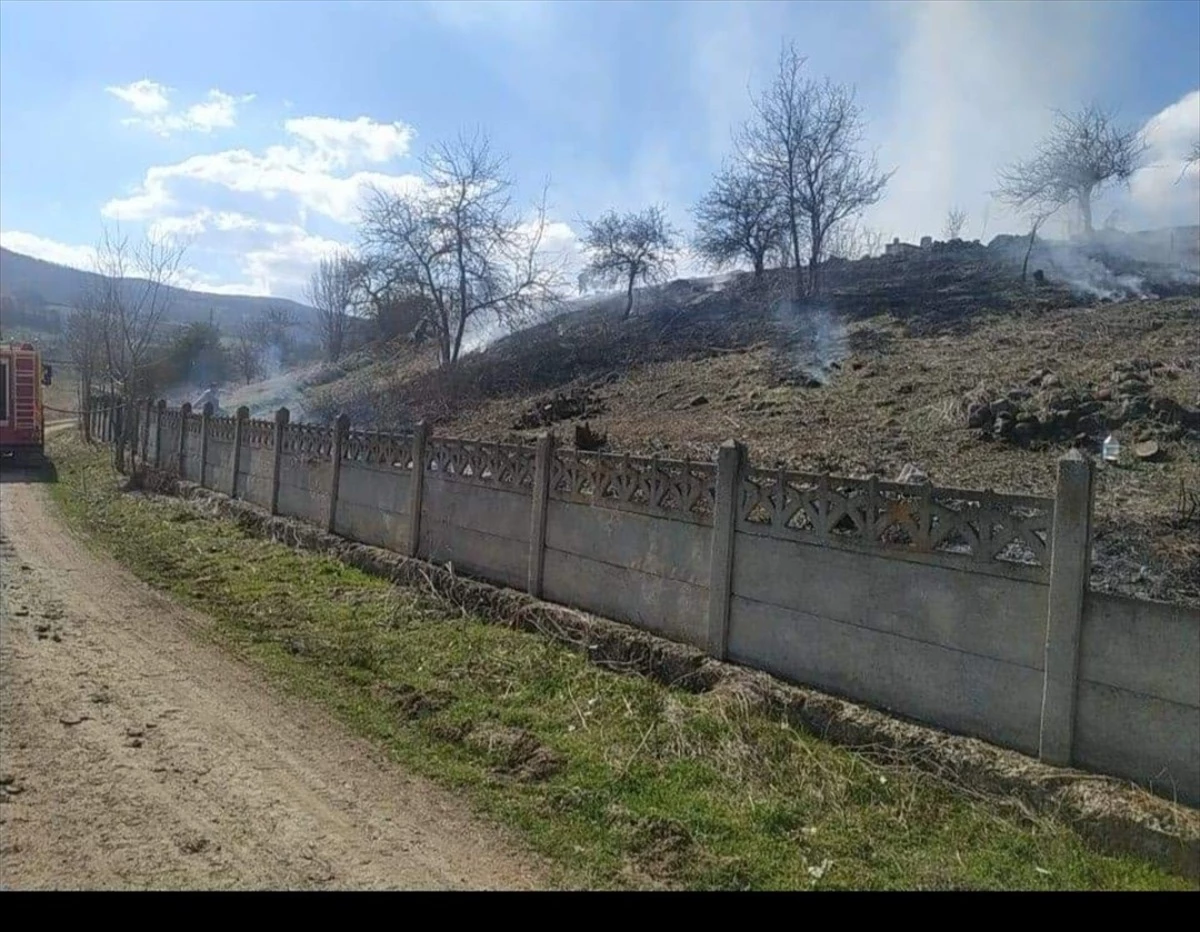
x: 34, y: 284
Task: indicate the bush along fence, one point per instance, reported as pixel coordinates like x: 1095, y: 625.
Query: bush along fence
x: 962, y: 609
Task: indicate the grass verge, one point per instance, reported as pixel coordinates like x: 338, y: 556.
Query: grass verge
x: 616, y: 780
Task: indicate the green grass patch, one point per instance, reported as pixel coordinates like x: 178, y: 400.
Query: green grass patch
x: 616, y: 780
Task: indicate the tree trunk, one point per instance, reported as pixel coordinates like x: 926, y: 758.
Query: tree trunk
x: 1085, y: 211
x: 1028, y: 249
x: 758, y: 266
x: 629, y: 296
x: 794, y: 229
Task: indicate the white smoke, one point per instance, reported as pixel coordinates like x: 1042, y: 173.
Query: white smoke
x: 976, y: 87
x: 814, y: 336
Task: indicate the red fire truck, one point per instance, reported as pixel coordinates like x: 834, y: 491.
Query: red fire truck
x: 22, y: 376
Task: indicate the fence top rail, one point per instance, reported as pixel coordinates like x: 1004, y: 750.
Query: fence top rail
x: 809, y: 480
x: 757, y: 474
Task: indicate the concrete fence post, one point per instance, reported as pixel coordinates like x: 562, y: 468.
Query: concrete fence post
x: 1070, y: 565
x: 281, y: 422
x: 416, y: 487
x: 205, y: 420
x: 730, y: 463
x: 543, y: 461
x: 239, y: 434
x: 340, y: 428
x: 185, y: 411
x: 158, y: 424
x: 146, y: 432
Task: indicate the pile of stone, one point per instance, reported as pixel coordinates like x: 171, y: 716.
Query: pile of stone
x: 1044, y: 411
x: 560, y: 407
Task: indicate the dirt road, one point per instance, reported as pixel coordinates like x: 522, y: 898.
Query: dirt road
x: 134, y: 754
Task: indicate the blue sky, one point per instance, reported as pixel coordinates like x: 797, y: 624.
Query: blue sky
x: 250, y: 127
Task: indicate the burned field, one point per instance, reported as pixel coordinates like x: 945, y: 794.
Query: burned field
x: 943, y: 362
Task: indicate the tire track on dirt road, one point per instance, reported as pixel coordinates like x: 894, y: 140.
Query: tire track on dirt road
x: 134, y: 754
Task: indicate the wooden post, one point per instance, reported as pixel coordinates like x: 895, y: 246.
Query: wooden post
x: 239, y: 434
x: 146, y: 432
x: 340, y: 428
x: 1070, y: 566
x: 730, y: 463
x: 543, y: 461
x: 205, y: 419
x: 281, y: 422
x: 185, y: 412
x: 416, y: 487
x: 158, y: 422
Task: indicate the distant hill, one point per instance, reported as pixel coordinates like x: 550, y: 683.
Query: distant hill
x: 35, y: 285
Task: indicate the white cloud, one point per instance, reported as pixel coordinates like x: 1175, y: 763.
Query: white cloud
x: 30, y: 244
x: 151, y: 102
x: 338, y: 141
x: 310, y: 170
x: 145, y: 96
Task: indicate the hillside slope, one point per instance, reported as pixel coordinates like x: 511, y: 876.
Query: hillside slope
x: 41, y: 282
x: 942, y: 359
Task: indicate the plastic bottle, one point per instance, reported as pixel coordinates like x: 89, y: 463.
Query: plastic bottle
x: 1112, y: 449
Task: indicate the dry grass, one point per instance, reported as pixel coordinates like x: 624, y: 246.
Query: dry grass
x: 900, y: 399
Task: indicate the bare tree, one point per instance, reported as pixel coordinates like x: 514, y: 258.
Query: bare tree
x: 250, y: 341
x: 772, y: 142
x: 638, y: 246
x: 850, y: 241
x: 459, y: 243
x: 837, y: 182
x: 394, y: 301
x: 1192, y: 158
x: 740, y: 218
x: 331, y: 290
x: 130, y: 296
x: 956, y: 219
x: 1083, y: 153
x: 805, y: 138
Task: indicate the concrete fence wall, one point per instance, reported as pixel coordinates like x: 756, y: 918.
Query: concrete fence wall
x: 962, y: 609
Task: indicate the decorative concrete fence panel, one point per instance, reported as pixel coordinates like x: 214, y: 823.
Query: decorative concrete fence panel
x: 630, y: 539
x: 374, y: 489
x: 475, y: 509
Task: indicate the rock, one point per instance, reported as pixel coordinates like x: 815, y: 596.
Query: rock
x: 1050, y: 380
x: 905, y: 388
x: 1132, y: 387
x: 912, y: 473
x: 1166, y: 409
x: 1002, y: 406
x: 1018, y: 394
x: 1105, y: 394
x: 1024, y: 431
x: 698, y: 401
x: 1024, y: 417
x: 1134, y: 408
x: 979, y: 415
x: 21, y: 611
x: 1036, y: 378
x: 1147, y: 450
x: 588, y: 439
x: 72, y: 718
x: 1004, y: 424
